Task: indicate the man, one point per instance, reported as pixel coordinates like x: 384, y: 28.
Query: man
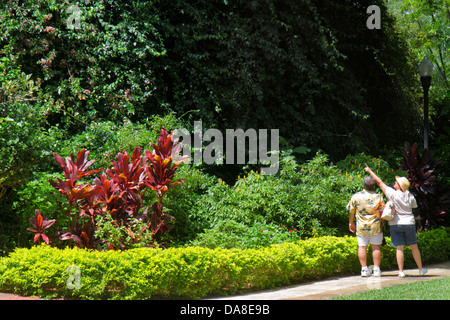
x: 367, y: 206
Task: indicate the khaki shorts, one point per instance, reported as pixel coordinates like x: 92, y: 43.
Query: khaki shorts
x: 364, y: 241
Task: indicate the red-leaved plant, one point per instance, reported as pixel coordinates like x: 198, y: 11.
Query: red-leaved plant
x: 39, y: 225
x: 431, y: 193
x: 118, y: 192
x: 160, y: 174
x: 80, y: 197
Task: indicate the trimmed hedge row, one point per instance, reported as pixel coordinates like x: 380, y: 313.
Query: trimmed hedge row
x: 192, y: 272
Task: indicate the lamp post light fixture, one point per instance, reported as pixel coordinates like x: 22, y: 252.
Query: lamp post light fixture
x: 425, y: 70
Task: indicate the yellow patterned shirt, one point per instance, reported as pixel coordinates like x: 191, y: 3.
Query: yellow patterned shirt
x: 364, y: 205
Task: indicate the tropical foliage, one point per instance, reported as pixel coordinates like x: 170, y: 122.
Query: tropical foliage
x: 305, y: 200
x: 39, y: 225
x: 298, y: 63
x: 424, y: 26
x: 432, y: 194
x: 117, y: 195
x: 99, y: 80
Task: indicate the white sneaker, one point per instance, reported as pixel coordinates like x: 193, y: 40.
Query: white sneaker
x: 365, y: 272
x: 401, y: 274
x: 423, y: 271
x: 376, y: 272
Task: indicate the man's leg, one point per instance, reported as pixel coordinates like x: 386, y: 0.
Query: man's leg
x: 376, y: 254
x: 363, y: 242
x: 362, y: 255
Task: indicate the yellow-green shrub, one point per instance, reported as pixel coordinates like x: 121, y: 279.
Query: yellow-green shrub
x: 192, y: 272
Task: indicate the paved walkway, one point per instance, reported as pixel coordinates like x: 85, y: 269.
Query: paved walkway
x: 9, y: 296
x: 346, y: 285
x: 327, y: 288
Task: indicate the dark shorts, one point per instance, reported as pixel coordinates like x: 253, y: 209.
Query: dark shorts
x: 403, y: 235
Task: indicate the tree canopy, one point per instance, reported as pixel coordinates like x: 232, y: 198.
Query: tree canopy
x: 309, y: 68
x: 425, y: 27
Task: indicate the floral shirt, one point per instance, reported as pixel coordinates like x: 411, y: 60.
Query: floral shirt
x: 364, y: 205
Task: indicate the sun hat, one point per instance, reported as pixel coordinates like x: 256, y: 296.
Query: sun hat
x: 403, y: 183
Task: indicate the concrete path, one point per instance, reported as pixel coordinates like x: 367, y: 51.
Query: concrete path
x: 9, y: 296
x: 346, y: 285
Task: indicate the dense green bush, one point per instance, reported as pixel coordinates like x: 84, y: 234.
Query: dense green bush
x: 181, y: 200
x: 284, y: 199
x: 310, y: 197
x: 354, y: 164
x: 192, y: 272
x: 105, y: 138
x: 434, y: 245
x: 231, y: 234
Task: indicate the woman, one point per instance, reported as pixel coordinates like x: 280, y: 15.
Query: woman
x: 402, y: 227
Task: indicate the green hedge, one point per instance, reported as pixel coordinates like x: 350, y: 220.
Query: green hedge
x: 192, y: 272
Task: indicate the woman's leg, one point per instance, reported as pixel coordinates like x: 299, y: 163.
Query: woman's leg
x: 400, y: 258
x: 416, y: 254
x: 411, y: 240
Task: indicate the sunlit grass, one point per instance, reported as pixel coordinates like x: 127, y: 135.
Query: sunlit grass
x: 438, y: 289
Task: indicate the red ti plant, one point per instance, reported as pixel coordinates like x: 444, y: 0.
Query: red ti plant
x: 128, y: 179
x: 109, y: 196
x: 121, y: 195
x: 73, y: 171
x: 432, y: 194
x: 39, y: 225
x: 160, y: 173
x: 83, y: 235
x: 119, y: 191
x: 81, y: 195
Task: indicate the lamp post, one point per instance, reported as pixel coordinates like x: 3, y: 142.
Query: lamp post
x: 425, y: 70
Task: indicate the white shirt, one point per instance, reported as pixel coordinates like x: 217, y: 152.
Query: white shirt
x: 404, y: 202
